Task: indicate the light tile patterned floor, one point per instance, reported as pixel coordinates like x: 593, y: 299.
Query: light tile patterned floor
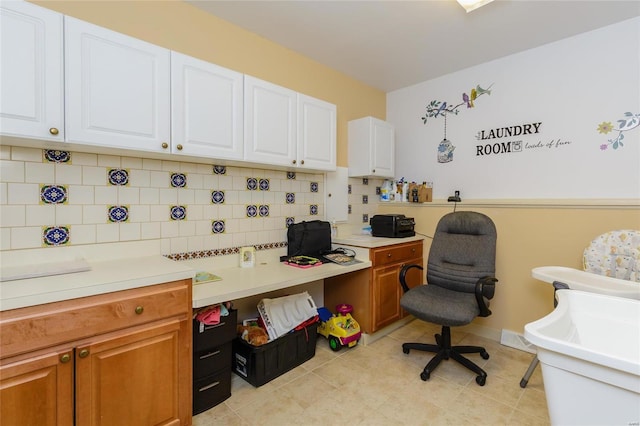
x: 378, y: 385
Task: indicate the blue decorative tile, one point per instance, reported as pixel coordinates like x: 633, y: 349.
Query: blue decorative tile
x: 349, y: 189
x: 365, y: 218
x: 313, y: 186
x: 118, y: 177
x: 264, y: 184
x: 289, y: 221
x: 349, y: 209
x: 291, y: 175
x: 217, y: 226
x: 56, y: 235
x: 365, y: 181
x: 178, y: 180
x: 53, y: 194
x: 220, y: 170
x: 365, y: 199
x: 263, y: 210
x: 290, y: 198
x: 178, y: 212
x: 118, y: 214
x: 252, y: 184
x: 313, y: 209
x: 252, y: 210
x: 217, y: 197
x: 56, y: 156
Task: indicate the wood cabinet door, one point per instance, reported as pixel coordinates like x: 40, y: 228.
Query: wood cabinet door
x: 206, y: 109
x: 316, y: 134
x: 131, y: 377
x: 270, y: 123
x: 37, y: 390
x: 386, y: 292
x: 32, y: 72
x: 117, y: 89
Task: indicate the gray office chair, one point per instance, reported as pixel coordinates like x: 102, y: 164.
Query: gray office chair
x: 460, y: 282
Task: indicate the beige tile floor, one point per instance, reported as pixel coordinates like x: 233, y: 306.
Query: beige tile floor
x: 378, y: 384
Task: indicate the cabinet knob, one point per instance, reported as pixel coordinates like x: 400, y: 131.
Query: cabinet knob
x: 53, y: 131
x: 165, y: 145
x: 139, y: 310
x: 413, y: 250
x: 329, y: 195
x: 65, y: 358
x: 373, y: 171
x: 294, y: 161
x: 179, y: 147
x: 388, y: 254
x: 302, y: 162
x: 84, y: 353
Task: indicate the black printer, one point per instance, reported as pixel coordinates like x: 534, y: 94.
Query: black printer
x: 392, y: 226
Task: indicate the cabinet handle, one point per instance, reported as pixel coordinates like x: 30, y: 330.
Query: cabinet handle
x: 209, y: 355
x: 165, y: 145
x: 84, y: 353
x: 65, y: 358
x: 212, y: 385
x: 179, y: 147
x: 53, y: 131
x: 139, y: 310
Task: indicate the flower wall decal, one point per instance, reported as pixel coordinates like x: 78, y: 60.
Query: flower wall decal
x: 629, y: 122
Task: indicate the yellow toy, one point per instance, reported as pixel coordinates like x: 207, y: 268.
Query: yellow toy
x: 341, y: 329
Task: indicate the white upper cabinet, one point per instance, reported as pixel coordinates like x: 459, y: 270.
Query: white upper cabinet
x: 316, y: 134
x: 206, y: 109
x: 117, y: 89
x: 269, y: 123
x: 371, y: 148
x: 31, y: 72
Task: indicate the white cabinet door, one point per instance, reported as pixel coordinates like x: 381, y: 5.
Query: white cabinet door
x: 371, y: 148
x: 117, y: 89
x: 206, y: 109
x: 270, y: 123
x: 31, y: 77
x: 316, y: 134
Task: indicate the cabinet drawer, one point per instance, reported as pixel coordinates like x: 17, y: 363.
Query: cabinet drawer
x: 210, y: 336
x: 398, y: 253
x: 210, y: 361
x: 211, y: 391
x: 35, y: 327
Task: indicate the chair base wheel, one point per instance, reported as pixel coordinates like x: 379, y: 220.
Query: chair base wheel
x: 405, y: 350
x: 425, y: 376
x: 484, y: 355
x: 481, y: 380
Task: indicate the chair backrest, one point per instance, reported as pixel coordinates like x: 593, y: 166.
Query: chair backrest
x: 463, y: 250
x: 614, y: 254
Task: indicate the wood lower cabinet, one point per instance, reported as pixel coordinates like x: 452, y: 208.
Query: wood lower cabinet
x: 375, y: 294
x: 113, y: 359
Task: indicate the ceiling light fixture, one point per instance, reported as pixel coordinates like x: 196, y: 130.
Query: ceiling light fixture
x: 470, y: 5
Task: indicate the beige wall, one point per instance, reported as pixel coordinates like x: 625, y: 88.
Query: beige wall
x: 528, y: 237
x: 181, y: 27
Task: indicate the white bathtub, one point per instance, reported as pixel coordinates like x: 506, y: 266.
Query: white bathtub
x: 589, y: 348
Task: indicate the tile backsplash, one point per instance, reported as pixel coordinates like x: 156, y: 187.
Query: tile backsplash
x: 51, y: 198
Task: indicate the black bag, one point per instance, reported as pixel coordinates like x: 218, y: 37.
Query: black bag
x: 309, y: 239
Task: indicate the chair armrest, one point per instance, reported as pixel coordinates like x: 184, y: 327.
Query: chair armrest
x: 485, y: 286
x: 403, y: 275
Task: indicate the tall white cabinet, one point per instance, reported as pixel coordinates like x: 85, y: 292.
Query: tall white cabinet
x: 371, y: 148
x: 117, y: 89
x: 31, y: 71
x: 206, y: 109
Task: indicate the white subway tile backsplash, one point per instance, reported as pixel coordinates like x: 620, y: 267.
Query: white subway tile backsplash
x: 106, y: 194
x: 186, y: 228
x: 84, y: 234
x: 158, y: 213
x: 108, y: 160
x: 149, y: 195
x: 129, y: 231
x: 150, y: 230
x: 23, y: 193
x: 107, y: 233
x: 11, y: 171
x: 37, y: 215
x: 170, y: 229
x: 5, y: 238
x: 3, y: 193
x: 95, y: 214
x: 128, y: 195
x: 149, y: 164
x: 18, y: 153
x: 68, y: 174
x: 79, y: 194
x: 26, y: 237
x: 12, y: 216
x: 85, y: 159
x: 94, y: 175
x: 131, y: 163
x: 139, y: 213
x: 5, y: 152
x: 139, y: 178
x: 68, y: 214
x: 186, y: 196
x: 169, y: 196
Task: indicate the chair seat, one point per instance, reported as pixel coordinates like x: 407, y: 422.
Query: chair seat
x: 438, y: 305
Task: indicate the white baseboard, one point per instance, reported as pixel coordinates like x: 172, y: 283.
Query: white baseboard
x: 516, y: 341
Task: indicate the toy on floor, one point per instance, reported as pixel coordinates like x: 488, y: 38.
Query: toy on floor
x: 341, y: 329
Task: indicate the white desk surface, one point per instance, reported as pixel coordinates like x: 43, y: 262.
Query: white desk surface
x: 265, y: 276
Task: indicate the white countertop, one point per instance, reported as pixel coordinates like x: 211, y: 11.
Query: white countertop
x: 265, y: 276
x: 103, y: 277
x: 368, y: 241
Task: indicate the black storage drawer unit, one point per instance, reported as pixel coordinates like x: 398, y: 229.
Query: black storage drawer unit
x: 261, y: 364
x: 208, y: 336
x: 212, y: 360
x: 211, y: 391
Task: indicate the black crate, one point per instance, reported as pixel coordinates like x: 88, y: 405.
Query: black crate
x: 261, y: 364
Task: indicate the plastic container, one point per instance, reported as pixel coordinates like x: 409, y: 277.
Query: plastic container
x: 261, y: 364
x: 589, y: 349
